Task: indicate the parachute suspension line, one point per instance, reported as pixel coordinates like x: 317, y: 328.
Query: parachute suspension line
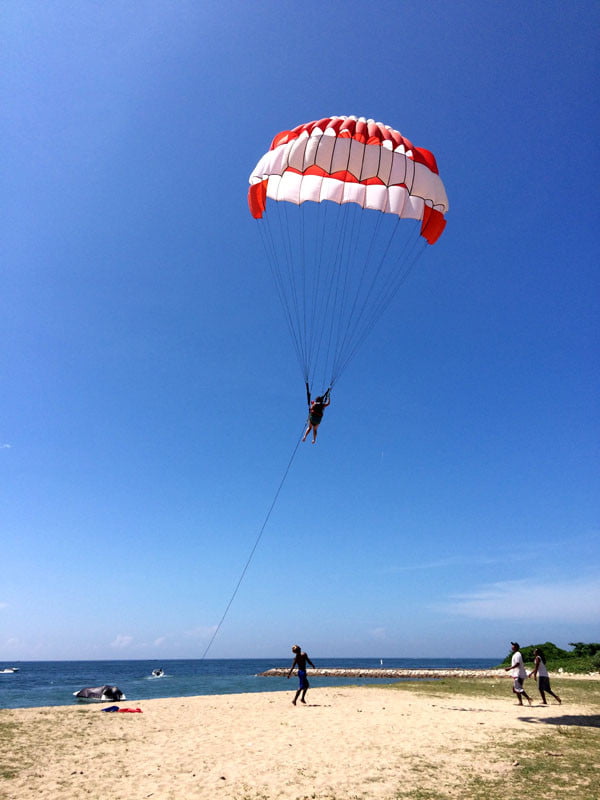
x: 356, y: 330
x: 330, y: 268
x: 318, y: 271
x: 414, y: 247
x: 302, y: 273
x: 294, y: 263
x: 256, y: 543
x: 353, y: 317
x: 312, y: 264
x: 351, y: 235
x: 324, y: 264
x: 272, y: 226
x: 330, y: 305
x: 348, y: 257
x: 267, y: 236
x: 386, y: 294
x: 417, y: 246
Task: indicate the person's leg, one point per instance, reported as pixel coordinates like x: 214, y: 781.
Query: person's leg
x: 519, y: 698
x: 547, y: 688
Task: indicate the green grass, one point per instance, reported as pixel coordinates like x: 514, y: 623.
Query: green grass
x: 571, y: 691
x: 562, y: 761
x: 8, y: 734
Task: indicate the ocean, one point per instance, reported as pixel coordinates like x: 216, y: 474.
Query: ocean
x: 52, y: 683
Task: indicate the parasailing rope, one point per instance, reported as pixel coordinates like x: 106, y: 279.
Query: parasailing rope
x: 256, y: 543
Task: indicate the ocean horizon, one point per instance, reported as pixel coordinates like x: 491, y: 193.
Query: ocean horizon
x: 53, y: 683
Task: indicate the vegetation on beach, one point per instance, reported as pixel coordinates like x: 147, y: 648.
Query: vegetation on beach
x: 584, y: 657
x: 8, y: 732
x: 572, y: 691
x: 562, y: 761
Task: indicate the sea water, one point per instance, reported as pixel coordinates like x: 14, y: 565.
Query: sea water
x: 52, y: 683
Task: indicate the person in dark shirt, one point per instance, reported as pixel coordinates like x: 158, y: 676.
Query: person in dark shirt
x: 315, y: 415
x: 300, y: 660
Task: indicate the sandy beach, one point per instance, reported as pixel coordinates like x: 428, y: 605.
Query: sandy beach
x: 367, y: 742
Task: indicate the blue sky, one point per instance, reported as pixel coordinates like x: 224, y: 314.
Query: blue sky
x: 150, y: 396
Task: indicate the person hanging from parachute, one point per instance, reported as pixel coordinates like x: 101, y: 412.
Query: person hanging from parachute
x: 316, y: 409
x: 346, y: 206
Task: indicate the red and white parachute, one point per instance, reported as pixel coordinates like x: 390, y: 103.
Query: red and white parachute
x: 336, y: 270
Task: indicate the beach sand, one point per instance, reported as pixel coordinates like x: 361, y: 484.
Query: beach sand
x: 354, y: 742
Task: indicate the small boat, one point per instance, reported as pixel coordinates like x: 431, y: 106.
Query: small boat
x: 9, y: 670
x: 100, y: 693
x: 158, y: 672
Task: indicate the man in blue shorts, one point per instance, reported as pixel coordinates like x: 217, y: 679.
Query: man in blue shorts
x: 300, y: 660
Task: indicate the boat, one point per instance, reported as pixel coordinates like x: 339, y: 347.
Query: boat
x: 100, y: 693
x: 158, y: 672
x: 9, y: 670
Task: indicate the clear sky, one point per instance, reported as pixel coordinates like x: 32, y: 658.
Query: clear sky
x: 150, y: 397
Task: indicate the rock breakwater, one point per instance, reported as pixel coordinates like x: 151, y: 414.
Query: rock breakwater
x: 278, y: 672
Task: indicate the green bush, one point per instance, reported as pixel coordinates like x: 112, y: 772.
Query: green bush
x: 585, y: 657
x: 583, y: 649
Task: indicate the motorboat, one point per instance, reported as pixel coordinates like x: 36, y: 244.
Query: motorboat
x: 158, y: 672
x: 9, y: 670
x: 100, y: 693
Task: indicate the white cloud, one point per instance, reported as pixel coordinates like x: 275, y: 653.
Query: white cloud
x: 3, y: 605
x: 5, y: 446
x: 576, y: 600
x: 201, y: 632
x: 122, y: 641
x: 451, y: 561
x: 379, y: 634
x: 159, y: 641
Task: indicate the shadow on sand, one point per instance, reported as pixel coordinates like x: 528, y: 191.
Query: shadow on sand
x: 578, y: 720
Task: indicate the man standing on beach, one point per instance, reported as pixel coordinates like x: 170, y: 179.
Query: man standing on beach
x: 300, y: 660
x: 518, y: 672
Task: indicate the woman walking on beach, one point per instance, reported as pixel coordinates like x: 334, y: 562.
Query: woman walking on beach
x: 300, y: 660
x: 540, y: 672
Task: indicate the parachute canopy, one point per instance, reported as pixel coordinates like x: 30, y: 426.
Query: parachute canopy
x: 350, y: 160
x: 337, y: 265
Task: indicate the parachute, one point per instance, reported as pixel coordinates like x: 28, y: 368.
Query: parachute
x: 346, y: 206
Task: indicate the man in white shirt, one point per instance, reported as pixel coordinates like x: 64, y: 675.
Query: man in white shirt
x: 519, y: 674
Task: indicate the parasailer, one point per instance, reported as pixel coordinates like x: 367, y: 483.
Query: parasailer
x: 343, y: 204
x: 316, y: 410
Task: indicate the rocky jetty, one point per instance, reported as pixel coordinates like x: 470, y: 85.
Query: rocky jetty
x: 278, y: 672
